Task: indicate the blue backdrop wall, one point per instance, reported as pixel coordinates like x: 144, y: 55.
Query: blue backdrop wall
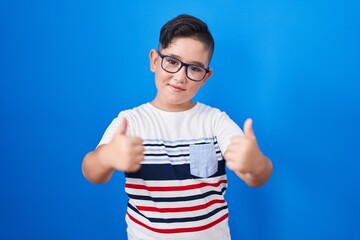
x: 68, y: 67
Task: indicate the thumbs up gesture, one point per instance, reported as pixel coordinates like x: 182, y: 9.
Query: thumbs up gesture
x: 243, y: 156
x: 125, y: 153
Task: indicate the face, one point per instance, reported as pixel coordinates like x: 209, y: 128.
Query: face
x: 175, y: 90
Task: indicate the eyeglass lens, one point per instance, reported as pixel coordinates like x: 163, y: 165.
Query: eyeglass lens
x: 173, y: 65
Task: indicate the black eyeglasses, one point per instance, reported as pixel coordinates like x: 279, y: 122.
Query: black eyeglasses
x: 173, y: 65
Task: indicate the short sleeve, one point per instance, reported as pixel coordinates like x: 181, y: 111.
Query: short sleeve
x: 225, y: 129
x: 111, y: 129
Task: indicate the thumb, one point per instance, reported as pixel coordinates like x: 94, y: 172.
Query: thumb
x: 248, y: 128
x: 123, y: 126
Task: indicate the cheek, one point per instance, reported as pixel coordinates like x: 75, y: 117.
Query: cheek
x: 161, y: 79
x: 194, y: 89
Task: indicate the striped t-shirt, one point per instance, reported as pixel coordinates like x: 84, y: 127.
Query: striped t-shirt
x: 178, y: 193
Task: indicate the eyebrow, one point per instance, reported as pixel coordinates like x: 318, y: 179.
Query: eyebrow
x: 192, y: 63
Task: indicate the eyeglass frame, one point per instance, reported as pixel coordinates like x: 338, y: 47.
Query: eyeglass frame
x: 162, y: 56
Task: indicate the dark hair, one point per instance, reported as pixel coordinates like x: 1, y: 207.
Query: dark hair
x: 186, y: 26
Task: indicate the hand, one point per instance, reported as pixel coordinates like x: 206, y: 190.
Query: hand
x: 243, y: 155
x: 125, y: 153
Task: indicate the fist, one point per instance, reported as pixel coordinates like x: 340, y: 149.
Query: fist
x: 243, y: 154
x: 125, y: 153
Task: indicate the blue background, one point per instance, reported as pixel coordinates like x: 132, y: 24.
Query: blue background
x: 68, y: 67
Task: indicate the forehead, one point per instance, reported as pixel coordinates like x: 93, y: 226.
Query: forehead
x: 188, y: 50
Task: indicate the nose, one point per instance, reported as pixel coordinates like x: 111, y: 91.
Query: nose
x: 181, y: 74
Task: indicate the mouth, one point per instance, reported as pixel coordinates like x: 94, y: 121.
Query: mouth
x: 176, y: 88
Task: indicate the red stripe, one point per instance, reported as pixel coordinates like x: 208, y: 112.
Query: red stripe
x: 180, y: 209
x: 174, y: 188
x: 179, y: 230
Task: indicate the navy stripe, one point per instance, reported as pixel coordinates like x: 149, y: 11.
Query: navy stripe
x: 177, y: 220
x: 158, y: 172
x: 177, y: 199
x: 166, y: 154
x: 175, y: 146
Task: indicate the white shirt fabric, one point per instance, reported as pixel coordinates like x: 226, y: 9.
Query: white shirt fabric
x: 178, y: 193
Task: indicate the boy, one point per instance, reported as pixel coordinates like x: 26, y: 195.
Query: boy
x: 173, y: 150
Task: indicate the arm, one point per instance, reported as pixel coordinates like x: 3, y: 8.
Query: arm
x: 96, y: 167
x: 244, y: 157
x: 122, y: 153
x: 259, y: 176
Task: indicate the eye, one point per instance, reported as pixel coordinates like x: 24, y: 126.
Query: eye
x: 172, y: 61
x: 195, y: 68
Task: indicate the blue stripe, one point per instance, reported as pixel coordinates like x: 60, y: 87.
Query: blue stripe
x: 180, y: 150
x: 177, y: 220
x: 163, y: 149
x: 180, y: 141
x: 158, y: 172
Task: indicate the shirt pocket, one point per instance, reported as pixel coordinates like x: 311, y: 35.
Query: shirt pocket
x: 203, y: 160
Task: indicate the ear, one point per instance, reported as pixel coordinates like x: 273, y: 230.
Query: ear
x: 153, y: 55
x: 207, y: 77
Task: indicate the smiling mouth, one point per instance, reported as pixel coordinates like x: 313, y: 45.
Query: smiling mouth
x: 176, y: 89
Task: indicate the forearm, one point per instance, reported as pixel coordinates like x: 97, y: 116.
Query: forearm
x: 259, y: 176
x: 94, y: 166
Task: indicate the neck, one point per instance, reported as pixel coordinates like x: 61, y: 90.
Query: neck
x: 173, y: 107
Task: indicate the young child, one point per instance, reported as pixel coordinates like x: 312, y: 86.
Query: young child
x: 173, y: 150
